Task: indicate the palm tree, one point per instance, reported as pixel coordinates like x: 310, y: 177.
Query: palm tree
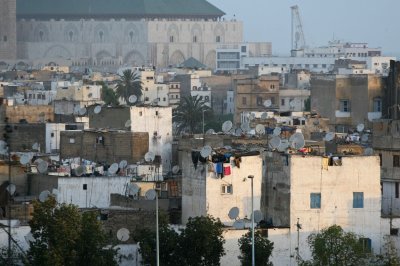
x: 189, y: 114
x: 129, y: 84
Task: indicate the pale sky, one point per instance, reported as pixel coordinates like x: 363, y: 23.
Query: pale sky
x: 372, y: 21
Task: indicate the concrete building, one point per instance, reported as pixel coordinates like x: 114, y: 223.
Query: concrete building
x: 8, y: 30
x: 174, y: 94
x: 28, y: 113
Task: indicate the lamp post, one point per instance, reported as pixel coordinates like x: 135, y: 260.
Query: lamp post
x: 253, y: 261
x: 157, y: 233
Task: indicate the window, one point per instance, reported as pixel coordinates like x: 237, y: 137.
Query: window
x: 140, y: 113
x: 259, y: 101
x: 344, y: 106
x: 146, y: 89
x: 226, y: 189
x: 218, y: 39
x: 206, y: 98
x: 4, y: 38
x: 315, y: 200
x: 358, y: 199
x: 244, y: 49
x: 146, y: 99
x: 72, y: 140
x: 156, y: 112
x: 282, y: 101
x: 164, y: 99
x: 380, y: 159
x: 366, y: 244
x: 396, y: 190
x: 394, y: 231
x: 171, y: 38
x: 194, y: 38
x: 396, y: 160
x: 244, y: 100
x: 377, y: 104
x: 52, y: 134
x: 84, y: 186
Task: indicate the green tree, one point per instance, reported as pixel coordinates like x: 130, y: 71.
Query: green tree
x: 307, y: 104
x: 129, y: 84
x: 389, y: 256
x: 108, y: 95
x: 334, y: 246
x: 262, y: 248
x: 64, y: 236
x: 188, y: 116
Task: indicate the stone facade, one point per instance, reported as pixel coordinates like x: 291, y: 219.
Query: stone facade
x: 8, y: 29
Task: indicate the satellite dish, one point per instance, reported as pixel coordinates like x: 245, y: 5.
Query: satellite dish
x: 25, y: 159
x: 150, y: 194
x: 97, y: 109
x: 239, y: 224
x: 277, y: 131
x: 368, y: 151
x: 82, y: 111
x: 226, y: 126
x: 113, y: 168
x: 11, y: 189
x: 38, y: 161
x: 132, y: 99
x: 55, y: 192
x: 297, y: 141
x: 210, y: 132
x: 42, y: 167
x: 283, y: 146
x: 275, y: 142
x: 257, y: 216
x: 360, y: 127
x: 3, y: 144
x: 123, y: 234
x: 227, y: 147
x: 175, y: 169
x: 123, y: 164
x: 132, y: 189
x: 79, y: 171
x: 330, y: 136
x: 149, y: 156
x: 35, y: 146
x: 252, y: 116
x: 44, y: 195
x: 364, y: 138
x: 128, y: 123
x: 238, y: 132
x: 264, y: 116
x: 267, y: 103
x: 77, y: 108
x: 260, y: 129
x: 233, y: 213
x: 206, y: 151
x: 292, y: 103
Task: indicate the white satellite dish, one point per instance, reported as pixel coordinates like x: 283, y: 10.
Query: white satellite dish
x: 123, y: 234
x: 3, y: 144
x: 25, y: 159
x: 132, y: 99
x: 35, y: 146
x: 97, y: 109
x: 239, y: 224
x: 277, y: 131
x: 175, y: 169
x: 132, y: 189
x: 210, y: 132
x: 44, y: 195
x: 267, y: 103
x: 55, y: 192
x: 257, y: 216
x: 238, y: 132
x: 42, y: 167
x: 149, y: 156
x: 330, y: 136
x: 128, y: 123
x: 368, y: 151
x: 113, y: 168
x: 77, y: 109
x: 11, y: 189
x: 264, y: 116
x: 360, y: 127
x: 150, y: 194
x: 283, y: 146
x: 260, y: 129
x: 206, y: 151
x: 123, y: 164
x: 79, y: 171
x: 252, y: 116
x: 297, y: 141
x: 275, y: 142
x: 38, y: 161
x: 233, y: 213
x: 82, y: 111
x: 292, y: 103
x: 364, y: 138
x: 226, y: 126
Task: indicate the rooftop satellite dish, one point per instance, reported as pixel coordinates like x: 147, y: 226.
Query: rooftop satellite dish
x: 55, y: 192
x: 233, y: 213
x: 210, y: 132
x: 283, y: 146
x: 35, y: 146
x: 257, y: 216
x: 364, y: 138
x: 277, y: 131
x: 132, y: 99
x: 149, y: 156
x: 175, y: 169
x: 123, y: 164
x: 238, y: 132
x: 44, y: 195
x: 25, y: 159
x: 252, y: 116
x: 360, y: 127
x: 128, y: 123
x: 77, y: 108
x: 82, y: 111
x: 150, y: 194
x: 113, y: 168
x: 267, y: 103
x: 330, y: 136
x: 132, y: 189
x: 3, y: 144
x: 239, y: 224
x: 292, y: 103
x: 79, y: 171
x: 275, y: 142
x: 227, y: 147
x: 97, y: 109
x: 123, y: 234
x: 264, y: 116
x: 297, y: 141
x: 42, y: 167
x: 260, y: 129
x: 11, y: 189
x: 226, y: 126
x: 368, y: 151
x: 206, y: 151
x: 38, y: 161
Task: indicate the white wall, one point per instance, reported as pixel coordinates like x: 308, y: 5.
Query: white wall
x: 53, y: 142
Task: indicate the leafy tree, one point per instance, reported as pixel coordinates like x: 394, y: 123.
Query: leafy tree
x: 307, y: 104
x: 129, y: 84
x: 334, y: 246
x: 108, y: 95
x: 389, y: 256
x: 262, y: 248
x: 64, y: 236
x: 189, y: 114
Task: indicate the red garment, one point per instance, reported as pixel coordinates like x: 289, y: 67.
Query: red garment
x: 227, y: 170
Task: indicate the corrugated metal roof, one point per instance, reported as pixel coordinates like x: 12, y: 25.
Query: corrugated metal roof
x: 116, y: 8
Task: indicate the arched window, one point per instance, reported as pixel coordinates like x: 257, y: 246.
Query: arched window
x: 70, y: 35
x: 101, y: 36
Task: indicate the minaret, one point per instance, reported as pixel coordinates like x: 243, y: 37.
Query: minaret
x: 8, y: 30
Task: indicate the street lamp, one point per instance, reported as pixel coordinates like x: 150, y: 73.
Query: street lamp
x: 252, y: 222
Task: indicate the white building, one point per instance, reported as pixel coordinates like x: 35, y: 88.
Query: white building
x: 293, y: 99
x: 199, y: 90
x: 53, y: 136
x: 230, y: 102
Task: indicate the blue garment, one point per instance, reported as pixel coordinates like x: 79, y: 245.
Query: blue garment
x: 219, y: 168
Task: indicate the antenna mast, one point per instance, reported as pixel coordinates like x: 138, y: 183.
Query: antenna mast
x: 298, y: 40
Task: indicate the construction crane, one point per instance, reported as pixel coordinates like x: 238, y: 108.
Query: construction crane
x: 298, y: 40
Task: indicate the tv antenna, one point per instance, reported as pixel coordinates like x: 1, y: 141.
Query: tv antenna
x: 42, y: 167
x: 368, y: 151
x: 226, y: 126
x: 97, y: 109
x: 360, y: 127
x: 132, y: 99
x: 238, y: 131
x: 233, y: 213
x: 123, y: 234
x: 113, y: 169
x: 25, y: 159
x: 267, y: 103
x: 82, y: 111
x: 260, y: 129
x: 275, y: 142
x: 44, y: 195
x: 297, y: 141
x: 175, y: 169
x: 206, y: 151
x: 330, y: 136
x: 132, y: 189
x: 264, y: 116
x: 150, y: 194
x: 277, y: 131
x: 149, y: 157
x: 123, y: 164
x: 80, y: 170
